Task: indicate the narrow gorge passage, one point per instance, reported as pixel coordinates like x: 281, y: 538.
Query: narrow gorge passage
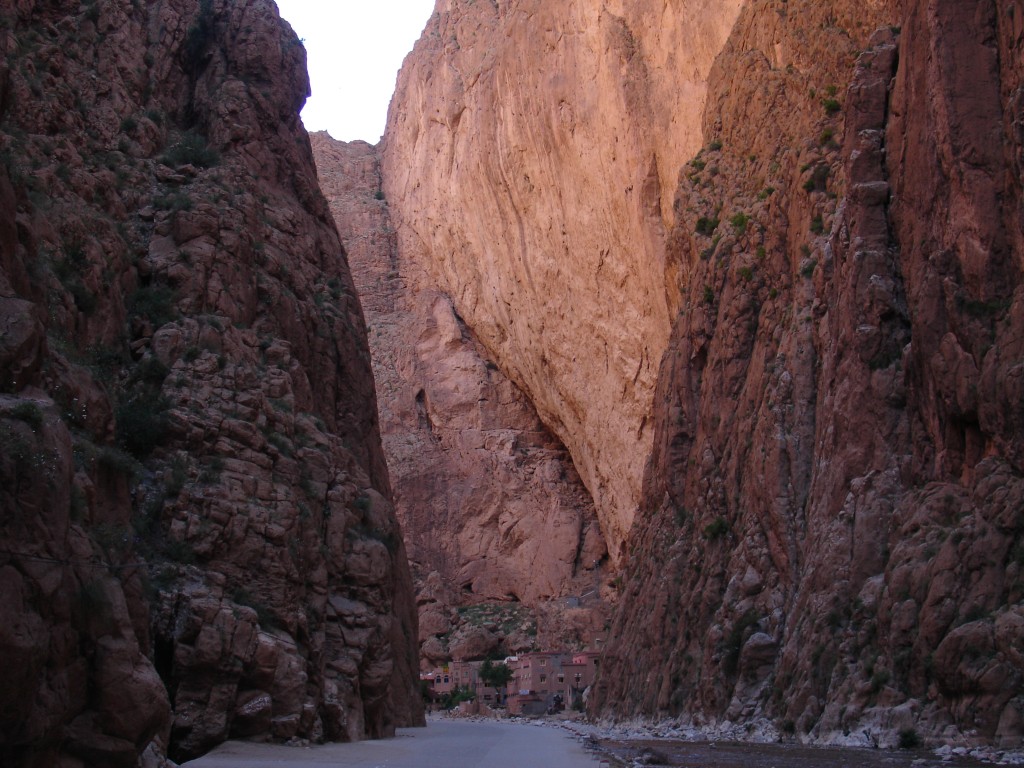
x: 665, y: 354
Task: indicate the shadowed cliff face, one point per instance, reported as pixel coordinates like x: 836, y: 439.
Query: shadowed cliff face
x: 531, y: 154
x: 832, y: 524
x: 828, y: 536
x: 491, y: 506
x: 198, y: 535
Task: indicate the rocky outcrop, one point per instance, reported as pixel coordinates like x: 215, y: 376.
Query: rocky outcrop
x: 530, y: 155
x: 832, y: 509
x: 491, y: 506
x: 199, y: 540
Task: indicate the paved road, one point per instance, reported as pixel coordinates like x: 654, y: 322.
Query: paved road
x: 442, y: 744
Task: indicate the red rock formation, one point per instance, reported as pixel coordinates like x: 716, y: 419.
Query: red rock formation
x: 531, y: 153
x: 488, y: 499
x: 198, y: 534
x: 830, y: 516
x: 838, y: 387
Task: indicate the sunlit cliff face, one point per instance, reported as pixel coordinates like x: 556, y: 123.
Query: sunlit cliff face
x: 531, y: 157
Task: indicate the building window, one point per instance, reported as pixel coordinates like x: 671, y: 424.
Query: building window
x: 543, y: 678
x: 543, y: 662
x: 437, y: 680
x: 561, y: 678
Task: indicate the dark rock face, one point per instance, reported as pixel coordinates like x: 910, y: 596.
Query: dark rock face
x: 832, y: 538
x: 198, y: 535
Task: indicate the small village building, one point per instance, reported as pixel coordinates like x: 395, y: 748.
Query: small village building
x: 543, y: 682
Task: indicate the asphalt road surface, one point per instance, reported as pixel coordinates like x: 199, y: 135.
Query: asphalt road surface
x: 442, y: 744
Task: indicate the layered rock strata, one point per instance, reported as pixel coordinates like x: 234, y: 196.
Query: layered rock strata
x: 491, y: 506
x: 831, y: 538
x: 531, y: 153
x: 198, y: 535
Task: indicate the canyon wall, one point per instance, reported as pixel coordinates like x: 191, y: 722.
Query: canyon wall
x: 831, y: 541
x: 801, y: 377
x: 199, y: 540
x: 531, y: 153
x: 491, y: 506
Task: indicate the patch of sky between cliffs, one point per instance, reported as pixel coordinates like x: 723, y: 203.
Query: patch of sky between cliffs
x: 354, y: 50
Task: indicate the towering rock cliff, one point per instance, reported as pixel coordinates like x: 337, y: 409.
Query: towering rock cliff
x: 198, y: 537
x: 833, y: 534
x: 829, y: 530
x: 492, y: 508
x: 531, y: 153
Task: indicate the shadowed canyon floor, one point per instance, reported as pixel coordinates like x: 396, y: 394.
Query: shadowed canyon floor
x: 447, y: 744
x: 456, y: 743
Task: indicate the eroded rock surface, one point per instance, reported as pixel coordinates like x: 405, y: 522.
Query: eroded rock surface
x: 490, y: 503
x: 829, y: 517
x: 530, y: 156
x: 198, y: 535
x: 832, y: 512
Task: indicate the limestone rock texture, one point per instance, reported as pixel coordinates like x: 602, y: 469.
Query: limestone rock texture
x: 491, y: 506
x: 531, y: 156
x: 758, y: 265
x: 831, y: 535
x: 198, y: 537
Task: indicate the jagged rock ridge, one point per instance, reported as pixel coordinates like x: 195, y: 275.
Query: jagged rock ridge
x: 490, y: 504
x: 199, y: 540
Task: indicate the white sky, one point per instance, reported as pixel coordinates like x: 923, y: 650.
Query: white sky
x: 354, y: 50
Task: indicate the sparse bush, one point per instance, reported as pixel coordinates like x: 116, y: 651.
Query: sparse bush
x: 818, y: 180
x: 142, y: 423
x: 734, y: 642
x: 174, y: 202
x: 264, y: 615
x: 739, y: 222
x: 155, y: 302
x: 909, y: 739
x: 199, y: 36
x: 831, y: 106
x: 879, y: 680
x: 175, y: 478
x: 212, y: 470
x: 817, y: 225
x: 117, y: 460
x: 716, y: 529
x: 191, y: 149
x: 29, y: 413
x: 707, y: 225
